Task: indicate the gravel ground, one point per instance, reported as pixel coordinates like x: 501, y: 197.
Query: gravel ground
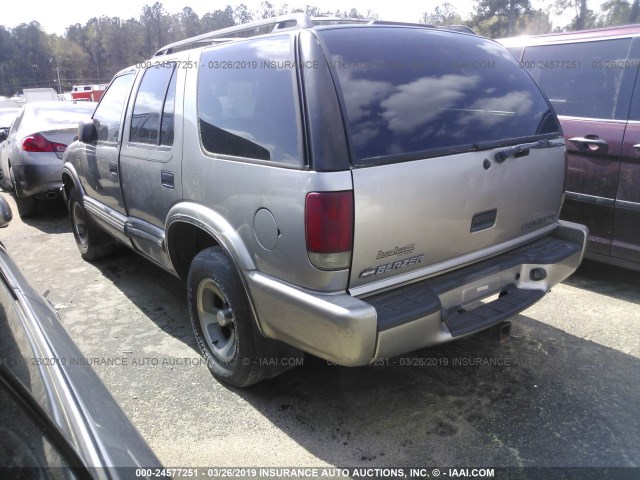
x: 564, y: 390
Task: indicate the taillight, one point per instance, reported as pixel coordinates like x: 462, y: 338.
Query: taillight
x: 329, y: 229
x: 37, y: 143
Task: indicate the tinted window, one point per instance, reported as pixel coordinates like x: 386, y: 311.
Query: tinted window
x: 409, y: 92
x: 634, y: 111
x: 25, y: 447
x: 109, y: 111
x: 150, y: 105
x: 580, y: 79
x: 55, y: 115
x: 250, y: 111
x: 166, y: 128
x: 63, y: 114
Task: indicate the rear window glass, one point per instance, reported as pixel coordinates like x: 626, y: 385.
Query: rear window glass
x: 54, y: 115
x: 419, y: 92
x: 247, y: 101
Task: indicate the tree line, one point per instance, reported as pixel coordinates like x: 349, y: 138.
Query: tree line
x: 93, y: 52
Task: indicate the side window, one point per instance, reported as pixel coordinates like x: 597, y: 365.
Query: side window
x: 250, y: 111
x: 152, y: 120
x: 166, y: 127
x: 634, y: 110
x: 580, y: 79
x: 109, y: 112
x: 28, y: 443
x: 16, y: 123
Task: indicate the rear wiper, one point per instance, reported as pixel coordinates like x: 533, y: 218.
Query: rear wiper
x: 502, y: 155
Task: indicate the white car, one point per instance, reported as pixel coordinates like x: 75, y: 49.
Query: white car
x: 31, y: 156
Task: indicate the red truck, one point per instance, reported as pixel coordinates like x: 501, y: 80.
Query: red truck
x: 91, y: 93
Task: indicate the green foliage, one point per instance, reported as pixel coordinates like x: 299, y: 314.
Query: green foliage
x: 444, y: 14
x: 494, y: 18
x: 92, y: 53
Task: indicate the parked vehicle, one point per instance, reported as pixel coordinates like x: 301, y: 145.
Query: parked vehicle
x: 353, y: 191
x: 590, y: 78
x: 40, y: 94
x: 31, y: 157
x: 91, y: 93
x: 57, y: 420
x: 7, y: 116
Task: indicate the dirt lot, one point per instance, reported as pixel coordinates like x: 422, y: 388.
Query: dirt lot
x: 564, y: 390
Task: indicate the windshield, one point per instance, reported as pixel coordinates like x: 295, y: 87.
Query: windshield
x: 413, y: 91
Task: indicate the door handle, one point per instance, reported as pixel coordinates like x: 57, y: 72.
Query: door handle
x: 166, y: 179
x: 590, y: 143
x: 113, y: 168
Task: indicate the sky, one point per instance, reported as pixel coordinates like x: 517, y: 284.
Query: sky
x: 55, y: 17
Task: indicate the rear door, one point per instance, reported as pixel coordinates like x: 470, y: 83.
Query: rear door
x: 433, y: 120
x: 626, y: 229
x: 589, y: 85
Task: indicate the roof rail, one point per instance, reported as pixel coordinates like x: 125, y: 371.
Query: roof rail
x: 457, y: 28
x: 402, y: 24
x: 284, y: 22
x: 293, y: 21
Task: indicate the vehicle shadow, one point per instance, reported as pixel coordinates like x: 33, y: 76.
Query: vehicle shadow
x: 543, y: 398
x: 51, y: 217
x: 607, y: 280
x: 166, y: 306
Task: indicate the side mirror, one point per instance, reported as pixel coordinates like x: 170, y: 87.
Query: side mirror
x: 4, y: 134
x: 5, y: 212
x: 87, y: 132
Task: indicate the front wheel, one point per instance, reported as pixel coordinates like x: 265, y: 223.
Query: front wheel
x: 222, y: 319
x: 92, y: 242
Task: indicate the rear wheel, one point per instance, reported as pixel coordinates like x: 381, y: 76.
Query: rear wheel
x: 92, y: 242
x: 27, y: 206
x: 222, y: 319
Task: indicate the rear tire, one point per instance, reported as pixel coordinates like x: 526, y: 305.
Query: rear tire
x: 27, y: 206
x: 93, y: 242
x: 222, y: 319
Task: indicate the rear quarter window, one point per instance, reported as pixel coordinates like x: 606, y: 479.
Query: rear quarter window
x: 412, y: 92
x: 248, y: 102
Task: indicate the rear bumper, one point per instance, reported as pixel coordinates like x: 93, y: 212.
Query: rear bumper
x: 355, y: 331
x: 36, y: 178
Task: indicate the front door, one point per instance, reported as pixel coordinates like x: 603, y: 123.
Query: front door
x: 149, y: 164
x: 99, y: 173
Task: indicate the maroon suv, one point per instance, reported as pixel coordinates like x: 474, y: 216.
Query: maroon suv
x: 590, y: 79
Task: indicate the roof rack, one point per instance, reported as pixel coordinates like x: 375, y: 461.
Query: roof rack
x: 295, y: 21
x: 280, y: 23
x: 457, y: 28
